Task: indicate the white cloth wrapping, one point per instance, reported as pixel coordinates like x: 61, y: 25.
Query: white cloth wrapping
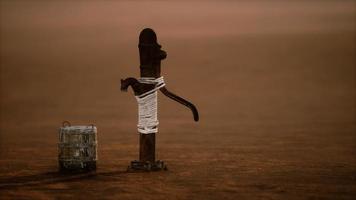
x: 147, y: 106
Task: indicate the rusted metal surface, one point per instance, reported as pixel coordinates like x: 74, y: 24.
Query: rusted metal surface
x: 180, y: 100
x: 151, y: 55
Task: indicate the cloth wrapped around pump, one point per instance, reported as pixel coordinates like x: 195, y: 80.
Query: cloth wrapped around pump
x: 77, y: 147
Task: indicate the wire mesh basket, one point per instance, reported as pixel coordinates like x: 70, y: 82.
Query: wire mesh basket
x: 77, y: 147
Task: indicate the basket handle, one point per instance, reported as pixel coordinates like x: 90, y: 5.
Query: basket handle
x: 92, y: 126
x: 66, y: 123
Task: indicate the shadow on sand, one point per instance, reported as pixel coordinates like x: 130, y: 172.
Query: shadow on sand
x: 53, y: 177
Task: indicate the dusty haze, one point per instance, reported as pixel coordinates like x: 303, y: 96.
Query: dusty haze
x: 274, y: 82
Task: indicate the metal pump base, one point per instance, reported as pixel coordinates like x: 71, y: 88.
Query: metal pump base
x: 147, y: 166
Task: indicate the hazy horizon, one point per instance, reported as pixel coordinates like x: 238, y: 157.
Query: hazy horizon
x: 274, y: 83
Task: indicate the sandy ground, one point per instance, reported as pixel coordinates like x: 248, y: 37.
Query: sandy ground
x: 274, y: 83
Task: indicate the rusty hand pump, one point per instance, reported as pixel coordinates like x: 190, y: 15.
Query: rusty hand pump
x: 150, y: 67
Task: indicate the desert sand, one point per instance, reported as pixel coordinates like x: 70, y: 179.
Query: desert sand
x: 274, y: 83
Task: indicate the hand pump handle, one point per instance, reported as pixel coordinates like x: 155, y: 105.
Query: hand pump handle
x: 180, y: 100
